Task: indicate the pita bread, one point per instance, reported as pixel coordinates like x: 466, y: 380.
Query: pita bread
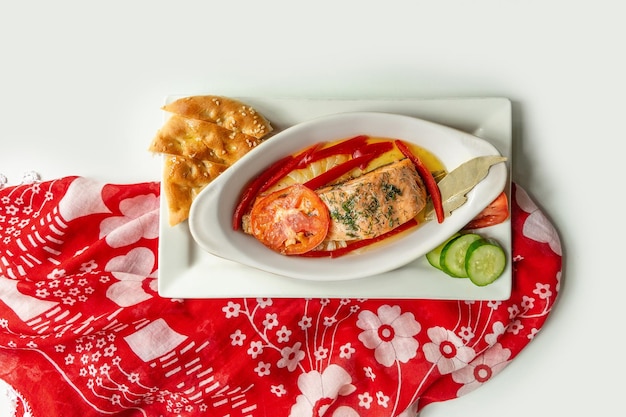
x: 183, y: 179
x: 203, y: 137
x: 223, y: 111
x: 201, y: 140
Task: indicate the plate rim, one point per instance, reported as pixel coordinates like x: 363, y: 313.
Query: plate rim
x: 185, y: 267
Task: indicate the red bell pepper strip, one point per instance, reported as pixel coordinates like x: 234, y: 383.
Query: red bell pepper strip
x: 267, y: 178
x: 346, y: 147
x: 336, y: 253
x: 252, y: 190
x: 299, y: 161
x: 336, y: 172
x: 366, y: 155
x: 376, y: 148
x: 427, y: 177
x: 373, y: 149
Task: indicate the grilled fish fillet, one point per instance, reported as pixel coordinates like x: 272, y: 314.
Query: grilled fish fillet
x: 375, y: 203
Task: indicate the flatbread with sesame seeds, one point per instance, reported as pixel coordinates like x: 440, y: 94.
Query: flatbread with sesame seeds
x: 199, y: 143
x: 184, y: 178
x: 201, y: 140
x: 223, y: 111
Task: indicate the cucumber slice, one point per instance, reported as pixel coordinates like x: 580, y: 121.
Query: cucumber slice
x: 434, y: 255
x: 485, y: 261
x: 452, y: 259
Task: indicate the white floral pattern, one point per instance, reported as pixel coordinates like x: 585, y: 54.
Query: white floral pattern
x: 137, y: 221
x: 320, y: 390
x: 537, y: 227
x: 78, y: 288
x: 390, y: 333
x: 482, y: 369
x: 447, y: 350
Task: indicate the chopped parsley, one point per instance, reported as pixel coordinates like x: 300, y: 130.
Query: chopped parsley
x: 391, y: 191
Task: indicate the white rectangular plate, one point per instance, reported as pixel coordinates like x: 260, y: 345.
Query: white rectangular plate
x: 186, y: 271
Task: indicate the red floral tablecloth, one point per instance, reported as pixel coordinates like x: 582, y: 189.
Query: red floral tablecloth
x: 83, y: 331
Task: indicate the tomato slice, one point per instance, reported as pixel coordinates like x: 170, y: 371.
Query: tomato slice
x: 291, y: 221
x: 495, y: 213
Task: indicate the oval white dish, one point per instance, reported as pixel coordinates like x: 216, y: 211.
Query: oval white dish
x: 210, y: 218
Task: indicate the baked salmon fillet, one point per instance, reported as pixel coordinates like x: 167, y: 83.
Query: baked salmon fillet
x: 374, y: 203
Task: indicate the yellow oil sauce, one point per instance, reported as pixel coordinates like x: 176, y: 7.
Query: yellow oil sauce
x: 431, y: 161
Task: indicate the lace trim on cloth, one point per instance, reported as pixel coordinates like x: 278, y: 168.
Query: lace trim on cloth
x: 12, y: 403
x: 29, y: 177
